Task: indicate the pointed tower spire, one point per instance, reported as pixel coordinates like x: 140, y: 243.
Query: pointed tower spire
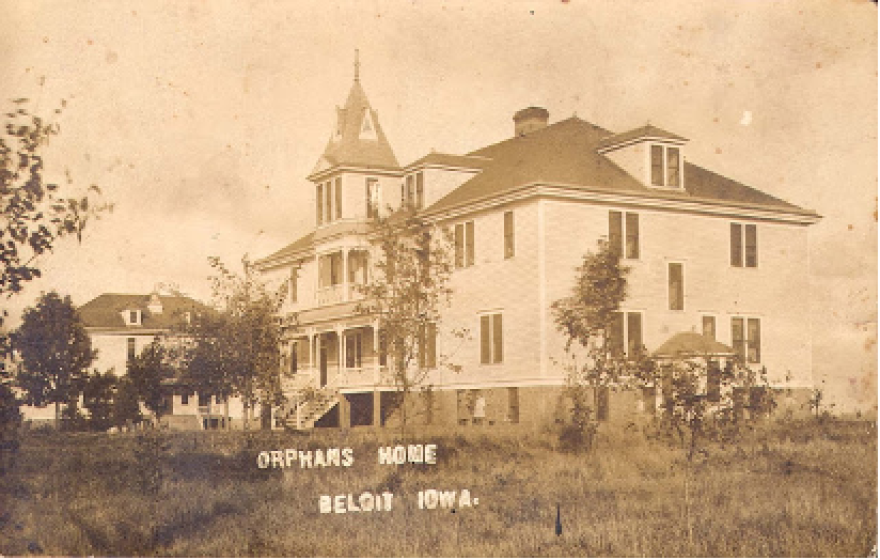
x: 358, y: 138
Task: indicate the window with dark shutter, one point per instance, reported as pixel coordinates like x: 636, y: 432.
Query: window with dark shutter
x: 657, y: 165
x: 632, y: 235
x: 754, y: 341
x: 485, y: 339
x: 319, y: 203
x: 634, y: 334
x: 469, y: 243
x: 615, y: 231
x: 410, y: 199
x: 336, y: 269
x: 736, y: 247
x: 751, y: 245
x: 303, y: 350
x: 372, y: 193
x: 491, y: 339
x: 676, y: 287
x: 383, y: 348
x: 709, y: 326
x: 131, y: 348
x: 616, y: 334
x: 353, y: 346
x: 184, y: 399
x: 508, y: 235
x: 713, y: 381
x: 328, y: 201
x: 338, y: 198
x: 672, y: 167
x: 420, y: 190
x: 737, y: 336
x: 294, y: 280
x: 497, y: 339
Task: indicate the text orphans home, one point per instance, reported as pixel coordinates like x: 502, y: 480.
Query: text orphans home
x: 420, y: 454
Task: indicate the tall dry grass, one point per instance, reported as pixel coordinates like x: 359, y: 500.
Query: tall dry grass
x: 786, y: 490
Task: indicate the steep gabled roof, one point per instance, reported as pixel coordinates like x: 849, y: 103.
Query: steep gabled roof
x: 565, y: 153
x: 647, y: 131
x: 358, y: 138
x: 105, y: 311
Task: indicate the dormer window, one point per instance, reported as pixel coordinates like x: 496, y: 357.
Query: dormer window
x: 132, y: 317
x: 665, y: 166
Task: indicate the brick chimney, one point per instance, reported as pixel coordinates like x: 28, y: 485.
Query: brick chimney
x: 155, y: 305
x: 529, y: 120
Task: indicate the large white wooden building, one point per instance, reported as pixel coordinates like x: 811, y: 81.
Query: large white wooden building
x: 707, y: 254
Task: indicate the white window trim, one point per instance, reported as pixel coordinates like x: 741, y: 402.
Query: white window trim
x: 684, y: 291
x: 762, y: 319
x: 490, y: 314
x: 664, y: 186
x: 126, y: 316
x: 623, y: 230
x: 625, y: 313
x: 742, y: 246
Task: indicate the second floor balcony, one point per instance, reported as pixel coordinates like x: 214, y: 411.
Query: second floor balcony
x: 340, y: 293
x: 340, y: 274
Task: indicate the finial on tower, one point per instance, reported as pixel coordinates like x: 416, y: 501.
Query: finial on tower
x: 357, y: 65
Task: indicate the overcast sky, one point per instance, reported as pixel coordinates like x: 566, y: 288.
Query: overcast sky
x: 200, y: 120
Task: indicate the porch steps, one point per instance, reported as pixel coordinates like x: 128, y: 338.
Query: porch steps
x: 307, y: 407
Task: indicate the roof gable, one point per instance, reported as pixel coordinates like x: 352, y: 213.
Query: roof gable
x: 358, y: 138
x: 566, y: 153
x: 105, y: 311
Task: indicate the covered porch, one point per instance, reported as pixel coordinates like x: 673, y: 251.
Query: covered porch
x: 341, y: 357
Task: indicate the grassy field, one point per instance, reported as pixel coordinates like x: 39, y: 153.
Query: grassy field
x: 787, y: 490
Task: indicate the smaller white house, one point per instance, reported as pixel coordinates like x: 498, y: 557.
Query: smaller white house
x: 120, y: 327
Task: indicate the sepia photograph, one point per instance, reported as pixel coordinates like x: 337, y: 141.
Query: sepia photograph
x: 410, y: 278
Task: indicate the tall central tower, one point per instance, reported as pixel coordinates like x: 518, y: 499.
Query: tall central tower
x: 357, y: 162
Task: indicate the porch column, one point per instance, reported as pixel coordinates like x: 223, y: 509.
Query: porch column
x: 377, y: 369
x: 377, y: 407
x: 311, y: 337
x: 377, y: 377
x: 340, y: 352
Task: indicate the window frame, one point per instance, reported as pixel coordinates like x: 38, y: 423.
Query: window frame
x: 744, y: 254
x: 371, y: 185
x: 509, y: 235
x: 491, y: 338
x: 624, y: 323
x: 464, y: 244
x: 620, y: 233
x: 714, y: 320
x: 682, y: 292
x: 748, y: 344
x: 663, y: 170
x: 420, y: 190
